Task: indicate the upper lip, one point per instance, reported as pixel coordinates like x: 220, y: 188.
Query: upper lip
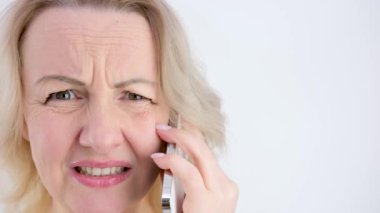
x: 101, y: 164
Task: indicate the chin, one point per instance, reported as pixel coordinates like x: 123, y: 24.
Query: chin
x: 101, y: 205
x: 113, y: 200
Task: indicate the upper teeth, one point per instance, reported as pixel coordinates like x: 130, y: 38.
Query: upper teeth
x: 100, y: 171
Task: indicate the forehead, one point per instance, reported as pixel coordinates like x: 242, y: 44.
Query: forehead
x: 68, y: 21
x: 72, y: 35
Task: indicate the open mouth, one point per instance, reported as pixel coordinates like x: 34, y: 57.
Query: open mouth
x: 100, y: 172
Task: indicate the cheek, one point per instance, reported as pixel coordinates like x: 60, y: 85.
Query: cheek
x: 49, y: 133
x: 142, y: 134
x: 49, y: 139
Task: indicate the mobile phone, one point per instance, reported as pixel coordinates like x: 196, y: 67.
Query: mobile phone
x: 172, y: 191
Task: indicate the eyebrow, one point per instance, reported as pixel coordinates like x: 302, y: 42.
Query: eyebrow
x: 134, y: 81
x: 80, y: 83
x: 60, y: 78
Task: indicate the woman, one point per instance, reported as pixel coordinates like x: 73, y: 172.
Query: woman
x: 91, y: 92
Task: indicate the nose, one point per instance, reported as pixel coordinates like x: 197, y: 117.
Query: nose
x: 102, y: 131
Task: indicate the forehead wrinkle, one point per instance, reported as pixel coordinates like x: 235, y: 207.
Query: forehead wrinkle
x: 119, y: 41
x: 115, y: 32
x: 118, y: 36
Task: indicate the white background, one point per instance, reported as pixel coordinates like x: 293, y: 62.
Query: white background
x: 300, y: 82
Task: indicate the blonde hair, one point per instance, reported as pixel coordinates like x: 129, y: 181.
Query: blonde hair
x: 185, y: 90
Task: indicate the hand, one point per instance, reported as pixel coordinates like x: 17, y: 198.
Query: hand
x: 206, y: 186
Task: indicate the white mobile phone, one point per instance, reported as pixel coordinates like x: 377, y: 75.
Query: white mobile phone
x: 172, y: 192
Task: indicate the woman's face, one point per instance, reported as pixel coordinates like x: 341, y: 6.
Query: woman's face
x: 92, y: 100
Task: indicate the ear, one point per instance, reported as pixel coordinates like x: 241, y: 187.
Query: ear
x: 25, y: 133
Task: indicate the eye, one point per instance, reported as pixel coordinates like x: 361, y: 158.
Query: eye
x: 61, y: 96
x: 136, y: 97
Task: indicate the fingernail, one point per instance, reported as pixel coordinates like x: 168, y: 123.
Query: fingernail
x: 163, y: 127
x: 157, y: 155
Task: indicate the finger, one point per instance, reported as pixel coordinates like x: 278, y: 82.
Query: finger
x: 186, y: 172
x: 192, y: 143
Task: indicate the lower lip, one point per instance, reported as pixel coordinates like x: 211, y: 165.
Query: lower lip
x: 100, y: 181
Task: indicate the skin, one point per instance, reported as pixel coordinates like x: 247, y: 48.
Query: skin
x: 98, y: 120
x: 101, y: 118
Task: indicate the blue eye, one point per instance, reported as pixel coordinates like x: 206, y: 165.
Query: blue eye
x: 61, y: 96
